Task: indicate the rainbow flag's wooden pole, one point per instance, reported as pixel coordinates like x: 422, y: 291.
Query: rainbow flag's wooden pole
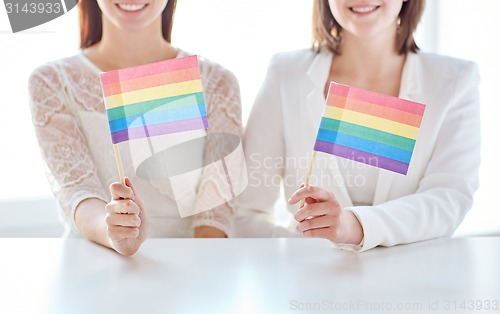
x: 311, y: 166
x: 119, y: 164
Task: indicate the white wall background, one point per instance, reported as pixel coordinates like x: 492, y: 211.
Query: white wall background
x: 241, y: 35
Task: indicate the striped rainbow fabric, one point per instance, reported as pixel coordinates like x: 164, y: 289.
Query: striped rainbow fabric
x: 371, y: 128
x: 154, y: 99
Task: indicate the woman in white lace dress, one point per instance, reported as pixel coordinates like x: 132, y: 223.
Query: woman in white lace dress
x: 72, y: 129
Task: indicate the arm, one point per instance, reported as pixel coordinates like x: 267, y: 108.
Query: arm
x: 436, y: 208
x: 70, y: 168
x: 120, y: 224
x: 445, y: 193
x: 222, y: 95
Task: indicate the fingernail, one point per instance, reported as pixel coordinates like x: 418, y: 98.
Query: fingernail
x: 290, y: 200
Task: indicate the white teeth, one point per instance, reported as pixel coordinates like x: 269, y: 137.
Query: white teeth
x: 131, y: 7
x: 364, y: 9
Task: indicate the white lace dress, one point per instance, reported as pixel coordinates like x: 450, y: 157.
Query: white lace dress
x: 71, y: 125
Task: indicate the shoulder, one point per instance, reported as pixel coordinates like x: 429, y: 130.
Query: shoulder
x: 295, y: 61
x: 435, y: 65
x: 72, y: 80
x: 46, y: 87
x: 212, y: 72
x: 53, y: 71
x: 216, y: 72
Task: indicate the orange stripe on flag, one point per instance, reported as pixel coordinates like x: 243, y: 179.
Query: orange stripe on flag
x: 151, y: 81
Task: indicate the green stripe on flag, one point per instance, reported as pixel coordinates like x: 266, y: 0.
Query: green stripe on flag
x: 141, y: 108
x: 367, y: 133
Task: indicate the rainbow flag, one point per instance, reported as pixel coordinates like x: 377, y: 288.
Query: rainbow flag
x: 371, y: 128
x: 154, y: 99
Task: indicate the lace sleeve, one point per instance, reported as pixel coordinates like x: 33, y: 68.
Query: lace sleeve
x: 222, y: 95
x: 69, y: 166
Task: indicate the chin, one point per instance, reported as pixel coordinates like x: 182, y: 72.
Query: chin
x: 130, y: 25
x: 369, y: 33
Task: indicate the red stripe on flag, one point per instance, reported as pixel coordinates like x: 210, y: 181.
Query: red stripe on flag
x: 376, y: 98
x: 148, y: 70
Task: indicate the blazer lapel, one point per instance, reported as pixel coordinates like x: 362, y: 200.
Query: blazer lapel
x: 310, y: 114
x: 410, y: 89
x: 313, y: 89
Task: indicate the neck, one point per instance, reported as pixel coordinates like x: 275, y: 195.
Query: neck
x: 120, y: 49
x: 368, y: 60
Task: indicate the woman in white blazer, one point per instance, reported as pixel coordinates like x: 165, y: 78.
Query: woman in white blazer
x: 366, y: 44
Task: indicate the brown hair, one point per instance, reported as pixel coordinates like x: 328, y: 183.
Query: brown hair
x: 91, y: 22
x: 327, y: 31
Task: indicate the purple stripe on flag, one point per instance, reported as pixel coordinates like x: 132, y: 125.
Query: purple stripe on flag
x: 361, y: 156
x: 159, y: 129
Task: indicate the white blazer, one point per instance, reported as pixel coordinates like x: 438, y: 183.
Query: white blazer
x: 429, y: 202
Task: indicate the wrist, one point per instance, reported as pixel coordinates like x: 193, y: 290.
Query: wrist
x: 354, y: 232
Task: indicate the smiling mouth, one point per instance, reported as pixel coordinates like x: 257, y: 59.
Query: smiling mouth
x: 129, y: 7
x: 364, y: 9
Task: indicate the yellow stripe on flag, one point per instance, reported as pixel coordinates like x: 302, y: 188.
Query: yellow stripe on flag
x: 146, y: 94
x: 373, y: 122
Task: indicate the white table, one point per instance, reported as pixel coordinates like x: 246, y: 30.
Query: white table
x: 249, y: 276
